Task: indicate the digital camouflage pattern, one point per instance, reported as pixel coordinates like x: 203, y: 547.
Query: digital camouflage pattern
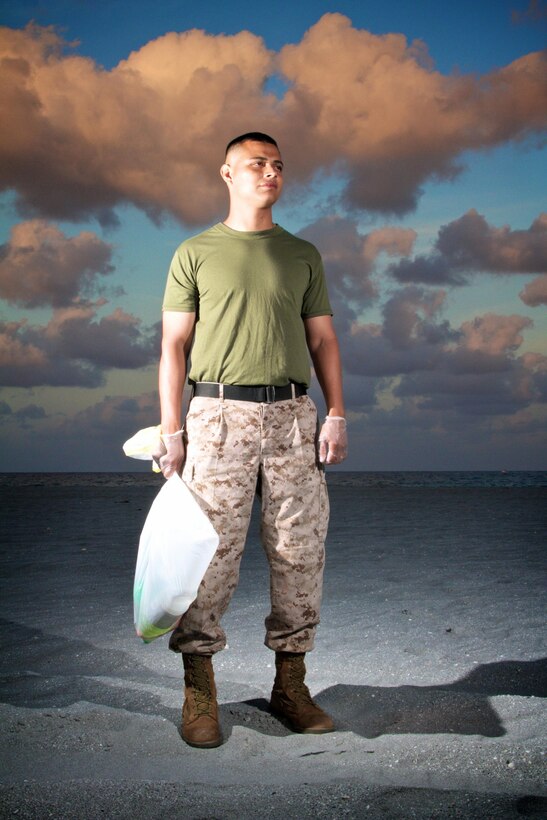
x: 230, y: 446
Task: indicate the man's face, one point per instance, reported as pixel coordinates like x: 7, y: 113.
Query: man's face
x: 253, y: 172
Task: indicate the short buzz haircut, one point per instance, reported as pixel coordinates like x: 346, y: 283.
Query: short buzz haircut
x: 255, y: 136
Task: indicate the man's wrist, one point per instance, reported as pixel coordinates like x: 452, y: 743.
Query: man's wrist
x: 168, y: 428
x: 174, y: 435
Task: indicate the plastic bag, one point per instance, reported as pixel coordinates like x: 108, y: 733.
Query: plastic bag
x: 143, y: 444
x: 176, y: 546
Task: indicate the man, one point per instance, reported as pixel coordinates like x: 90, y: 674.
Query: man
x: 249, y: 301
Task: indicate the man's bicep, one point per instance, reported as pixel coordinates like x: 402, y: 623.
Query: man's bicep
x: 318, y: 329
x: 178, y: 327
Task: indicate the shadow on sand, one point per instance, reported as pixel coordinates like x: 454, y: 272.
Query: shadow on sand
x: 41, y: 670
x: 461, y: 707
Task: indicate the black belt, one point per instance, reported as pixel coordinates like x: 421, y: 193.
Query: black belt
x: 240, y: 392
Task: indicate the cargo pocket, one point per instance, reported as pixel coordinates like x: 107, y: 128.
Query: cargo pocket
x: 324, y: 506
x: 304, y: 432
x: 206, y: 434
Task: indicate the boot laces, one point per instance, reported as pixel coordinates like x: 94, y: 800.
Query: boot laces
x: 201, y: 686
x: 298, y: 687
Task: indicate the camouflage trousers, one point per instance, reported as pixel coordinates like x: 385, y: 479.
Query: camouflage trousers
x: 231, y: 445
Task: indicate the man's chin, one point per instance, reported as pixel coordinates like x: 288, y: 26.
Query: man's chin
x: 270, y: 196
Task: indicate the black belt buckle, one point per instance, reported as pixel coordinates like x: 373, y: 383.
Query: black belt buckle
x: 270, y: 394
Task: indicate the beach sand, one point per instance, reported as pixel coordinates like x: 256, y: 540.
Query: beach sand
x: 430, y: 657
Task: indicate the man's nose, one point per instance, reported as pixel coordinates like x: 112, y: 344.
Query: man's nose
x: 271, y: 170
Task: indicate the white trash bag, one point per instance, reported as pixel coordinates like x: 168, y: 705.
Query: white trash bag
x: 176, y: 546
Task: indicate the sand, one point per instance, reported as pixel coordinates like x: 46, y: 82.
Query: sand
x: 430, y: 657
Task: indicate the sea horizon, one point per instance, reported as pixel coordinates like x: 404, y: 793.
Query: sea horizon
x: 335, y: 478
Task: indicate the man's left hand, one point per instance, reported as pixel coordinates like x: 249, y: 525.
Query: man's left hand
x: 333, y: 440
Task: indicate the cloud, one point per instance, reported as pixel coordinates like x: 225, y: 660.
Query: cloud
x: 477, y: 371
x: 408, y: 315
x: 75, y: 348
x: 116, y: 340
x: 350, y: 259
x: 31, y: 411
x: 151, y: 131
x: 470, y: 245
x: 90, y: 439
x: 17, y: 353
x: 114, y: 417
x: 376, y: 104
x: 416, y: 354
x: 535, y: 13
x: 28, y: 414
x: 471, y: 395
x: 494, y: 335
x: 535, y: 292
x: 412, y: 336
x: 350, y: 255
x: 82, y: 140
x: 39, y: 265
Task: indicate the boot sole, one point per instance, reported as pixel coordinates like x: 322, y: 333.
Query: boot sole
x: 209, y: 744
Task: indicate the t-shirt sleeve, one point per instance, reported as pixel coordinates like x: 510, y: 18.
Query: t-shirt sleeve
x: 181, y: 291
x: 316, y: 298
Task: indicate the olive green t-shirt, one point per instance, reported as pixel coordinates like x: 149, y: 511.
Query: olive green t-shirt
x: 251, y: 291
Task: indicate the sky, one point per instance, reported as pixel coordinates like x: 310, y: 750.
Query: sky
x: 413, y: 140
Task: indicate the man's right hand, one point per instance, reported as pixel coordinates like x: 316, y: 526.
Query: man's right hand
x: 171, y: 458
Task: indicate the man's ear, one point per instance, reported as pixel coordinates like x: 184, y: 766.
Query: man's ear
x: 226, y: 173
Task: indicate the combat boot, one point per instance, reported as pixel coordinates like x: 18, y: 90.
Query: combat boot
x: 200, y: 726
x: 291, y: 697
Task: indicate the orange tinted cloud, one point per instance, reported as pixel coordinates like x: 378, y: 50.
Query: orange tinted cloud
x: 81, y: 140
x: 475, y: 368
x: 493, y: 334
x: 377, y: 103
x: 471, y: 243
x: 39, y: 265
x: 535, y: 292
x: 150, y: 131
x: 75, y: 348
x: 350, y: 257
x: 350, y: 262
x: 16, y: 352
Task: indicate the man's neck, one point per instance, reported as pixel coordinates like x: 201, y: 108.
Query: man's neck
x: 260, y: 220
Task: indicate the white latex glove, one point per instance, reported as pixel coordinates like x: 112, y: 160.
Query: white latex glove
x: 170, y: 458
x: 333, y: 440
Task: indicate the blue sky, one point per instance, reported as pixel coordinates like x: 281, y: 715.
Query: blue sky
x: 415, y: 167
x: 467, y: 35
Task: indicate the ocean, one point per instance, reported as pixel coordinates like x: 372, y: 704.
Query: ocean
x: 338, y: 478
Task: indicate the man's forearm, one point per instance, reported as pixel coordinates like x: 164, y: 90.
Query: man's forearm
x: 328, y: 369
x: 177, y: 335
x: 172, y: 376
